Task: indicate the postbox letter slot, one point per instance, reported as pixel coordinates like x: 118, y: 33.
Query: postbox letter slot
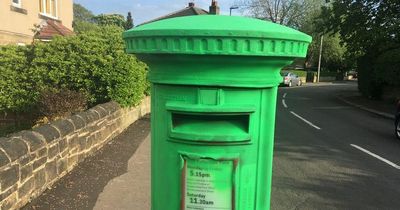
x: 211, y: 127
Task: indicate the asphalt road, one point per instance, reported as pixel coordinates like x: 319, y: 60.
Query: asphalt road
x: 329, y: 155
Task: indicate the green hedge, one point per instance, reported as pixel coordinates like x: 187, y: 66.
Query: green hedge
x: 299, y: 73
x: 16, y: 82
x: 378, y: 71
x: 93, y: 62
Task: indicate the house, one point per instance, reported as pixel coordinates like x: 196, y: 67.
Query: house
x: 19, y: 18
x: 191, y: 9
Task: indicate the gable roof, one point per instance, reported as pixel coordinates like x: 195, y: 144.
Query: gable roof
x: 188, y: 11
x: 51, y: 28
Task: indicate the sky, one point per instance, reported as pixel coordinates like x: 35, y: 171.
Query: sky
x: 145, y: 10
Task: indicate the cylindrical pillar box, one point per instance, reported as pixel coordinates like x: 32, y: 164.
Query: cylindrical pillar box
x: 214, y: 89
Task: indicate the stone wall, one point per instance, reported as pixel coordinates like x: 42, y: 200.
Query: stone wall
x: 32, y: 160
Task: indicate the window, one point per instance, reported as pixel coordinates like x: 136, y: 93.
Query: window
x: 16, y: 6
x: 16, y: 3
x: 48, y: 8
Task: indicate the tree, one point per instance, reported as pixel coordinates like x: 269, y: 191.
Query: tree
x: 129, y: 21
x: 370, y: 30
x: 365, y: 25
x: 83, y: 26
x: 82, y: 14
x: 83, y: 19
x: 303, y: 15
x: 333, y: 52
x: 112, y: 19
x: 285, y: 12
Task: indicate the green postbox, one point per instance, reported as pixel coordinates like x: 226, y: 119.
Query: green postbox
x: 214, y: 89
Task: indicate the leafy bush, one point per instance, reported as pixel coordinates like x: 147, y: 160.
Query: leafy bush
x: 15, y: 85
x: 93, y: 62
x: 53, y: 104
x: 110, y: 19
x: 83, y: 26
x: 377, y: 71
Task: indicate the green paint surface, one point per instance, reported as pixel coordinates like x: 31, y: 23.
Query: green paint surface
x: 214, y: 89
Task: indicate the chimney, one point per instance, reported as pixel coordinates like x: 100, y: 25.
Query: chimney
x: 191, y: 4
x: 214, y: 8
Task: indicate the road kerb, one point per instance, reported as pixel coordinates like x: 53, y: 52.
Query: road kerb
x: 382, y: 114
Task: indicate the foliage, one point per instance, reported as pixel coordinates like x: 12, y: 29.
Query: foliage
x: 285, y: 12
x: 299, y: 73
x: 81, y: 14
x: 112, y: 19
x: 303, y: 15
x: 15, y: 86
x: 370, y: 30
x: 85, y: 20
x: 129, y: 21
x: 364, y: 25
x: 83, y: 26
x: 333, y: 53
x: 377, y: 72
x: 92, y: 62
x: 53, y: 104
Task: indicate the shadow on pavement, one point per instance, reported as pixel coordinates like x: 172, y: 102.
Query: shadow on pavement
x: 81, y: 187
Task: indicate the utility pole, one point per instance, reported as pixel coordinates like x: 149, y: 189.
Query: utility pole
x: 320, y: 51
x: 319, y: 60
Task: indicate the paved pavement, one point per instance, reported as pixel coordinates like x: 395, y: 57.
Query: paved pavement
x: 132, y: 189
x: 88, y: 185
x: 328, y: 155
x: 352, y: 97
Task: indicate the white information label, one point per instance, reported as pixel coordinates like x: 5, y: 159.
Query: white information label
x: 208, y: 184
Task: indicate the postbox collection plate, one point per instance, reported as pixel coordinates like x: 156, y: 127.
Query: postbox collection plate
x: 207, y: 184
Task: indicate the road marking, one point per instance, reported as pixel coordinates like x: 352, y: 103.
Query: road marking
x: 376, y: 156
x: 306, y: 121
x: 284, y: 103
x: 284, y: 95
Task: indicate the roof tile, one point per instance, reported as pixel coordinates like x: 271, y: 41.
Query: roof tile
x: 52, y: 28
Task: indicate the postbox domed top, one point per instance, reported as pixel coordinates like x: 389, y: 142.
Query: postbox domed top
x: 216, y: 35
